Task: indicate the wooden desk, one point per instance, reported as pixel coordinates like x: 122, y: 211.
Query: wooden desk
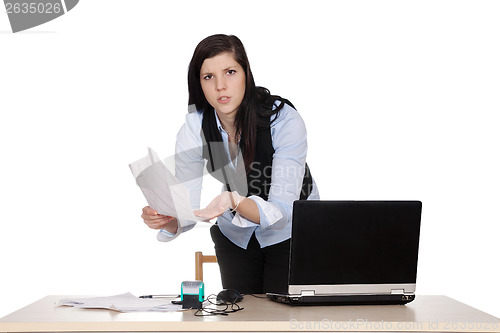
x: 425, y: 314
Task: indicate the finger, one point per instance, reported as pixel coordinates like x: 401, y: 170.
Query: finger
x: 205, y: 214
x: 149, y: 211
x: 197, y: 211
x: 156, y: 217
x: 202, y: 213
x: 156, y: 224
x: 150, y: 217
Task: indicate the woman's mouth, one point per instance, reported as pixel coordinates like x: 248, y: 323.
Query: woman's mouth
x: 224, y: 99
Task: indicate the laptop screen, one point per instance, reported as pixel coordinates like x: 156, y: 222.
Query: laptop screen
x: 354, y: 242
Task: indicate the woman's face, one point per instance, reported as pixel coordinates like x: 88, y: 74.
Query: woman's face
x: 223, y: 83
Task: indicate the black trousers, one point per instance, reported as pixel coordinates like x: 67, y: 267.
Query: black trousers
x: 255, y: 270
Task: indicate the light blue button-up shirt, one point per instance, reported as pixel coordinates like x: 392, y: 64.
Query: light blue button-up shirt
x: 289, y: 140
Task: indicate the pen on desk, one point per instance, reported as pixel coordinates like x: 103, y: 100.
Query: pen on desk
x: 160, y: 296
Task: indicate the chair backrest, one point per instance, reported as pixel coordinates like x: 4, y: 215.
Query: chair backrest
x: 199, y: 259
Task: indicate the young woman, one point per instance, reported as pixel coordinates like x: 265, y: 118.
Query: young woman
x: 255, y: 144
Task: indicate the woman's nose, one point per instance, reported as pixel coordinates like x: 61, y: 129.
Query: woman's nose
x: 220, y: 84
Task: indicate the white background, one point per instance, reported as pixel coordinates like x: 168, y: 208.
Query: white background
x: 399, y: 99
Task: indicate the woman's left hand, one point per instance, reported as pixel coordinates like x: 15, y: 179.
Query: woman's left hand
x: 226, y: 200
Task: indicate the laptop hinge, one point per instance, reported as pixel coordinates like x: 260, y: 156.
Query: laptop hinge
x: 397, y: 291
x: 307, y: 293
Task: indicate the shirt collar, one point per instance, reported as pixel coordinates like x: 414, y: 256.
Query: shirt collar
x: 219, y: 125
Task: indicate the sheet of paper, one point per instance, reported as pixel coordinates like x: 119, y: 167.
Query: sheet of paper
x: 122, y: 303
x: 163, y: 191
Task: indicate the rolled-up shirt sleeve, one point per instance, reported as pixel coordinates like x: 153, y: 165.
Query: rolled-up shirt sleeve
x: 166, y: 236
x: 289, y: 138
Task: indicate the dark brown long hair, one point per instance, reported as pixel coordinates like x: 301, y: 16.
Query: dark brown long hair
x: 257, y: 105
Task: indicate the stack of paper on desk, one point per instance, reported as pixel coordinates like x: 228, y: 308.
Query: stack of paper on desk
x: 164, y: 193
x: 123, y: 303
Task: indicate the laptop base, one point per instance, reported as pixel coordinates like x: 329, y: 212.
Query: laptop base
x: 342, y: 299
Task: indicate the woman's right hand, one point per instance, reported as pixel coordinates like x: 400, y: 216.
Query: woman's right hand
x: 158, y: 221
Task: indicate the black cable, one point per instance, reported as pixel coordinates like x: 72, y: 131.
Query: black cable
x: 210, y: 311
x: 255, y: 296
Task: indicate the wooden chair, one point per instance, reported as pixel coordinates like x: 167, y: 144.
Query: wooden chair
x: 199, y: 259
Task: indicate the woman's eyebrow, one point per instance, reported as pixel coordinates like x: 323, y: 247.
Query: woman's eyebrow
x: 224, y: 70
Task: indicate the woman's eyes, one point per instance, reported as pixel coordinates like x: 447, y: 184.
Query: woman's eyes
x: 209, y: 76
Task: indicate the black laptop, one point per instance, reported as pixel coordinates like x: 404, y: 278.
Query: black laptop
x: 353, y: 252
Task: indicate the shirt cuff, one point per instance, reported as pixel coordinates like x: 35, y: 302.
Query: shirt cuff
x: 270, y: 215
x: 167, y: 236
x: 242, y: 222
